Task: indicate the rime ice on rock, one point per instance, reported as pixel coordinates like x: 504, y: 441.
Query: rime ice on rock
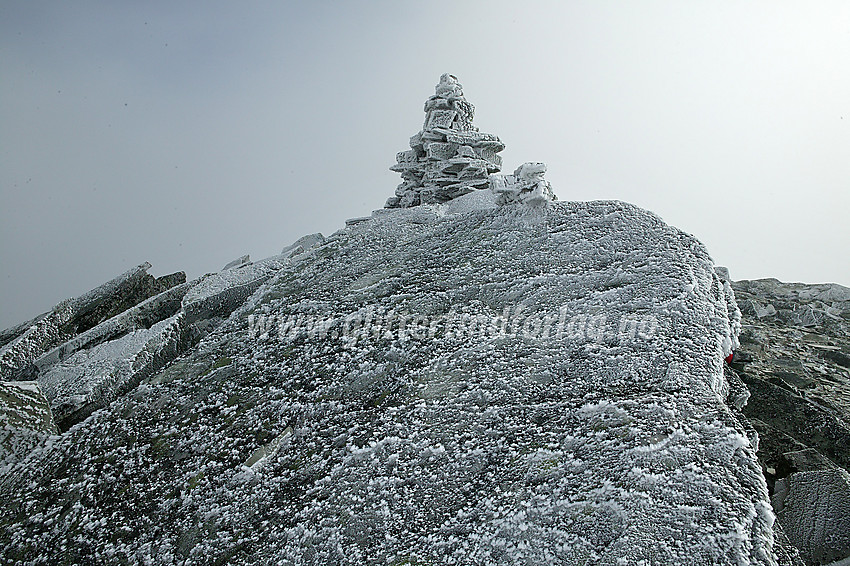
x: 449, y: 157
x: 557, y: 442
x: 525, y: 185
x: 25, y: 421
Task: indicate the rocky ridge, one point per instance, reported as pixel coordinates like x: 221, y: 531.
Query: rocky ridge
x: 789, y: 377
x: 474, y: 374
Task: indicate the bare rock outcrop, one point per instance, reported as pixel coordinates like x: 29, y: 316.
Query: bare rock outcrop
x: 794, y: 358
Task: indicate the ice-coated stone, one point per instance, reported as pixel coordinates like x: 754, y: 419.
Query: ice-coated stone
x: 91, y: 369
x: 797, y: 374
x: 77, y: 315
x: 25, y: 421
x: 526, y: 185
x: 303, y: 244
x: 786, y: 553
x: 476, y: 200
x: 449, y: 157
x: 734, y: 314
x: 89, y: 379
x: 503, y: 385
x: 267, y: 451
x: 219, y: 294
x: 14, y: 332
x: 144, y: 315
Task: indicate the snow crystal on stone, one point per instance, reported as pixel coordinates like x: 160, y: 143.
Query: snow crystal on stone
x: 511, y: 385
x: 90, y: 378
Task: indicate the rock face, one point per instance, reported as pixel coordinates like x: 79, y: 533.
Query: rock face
x: 813, y: 508
x: 795, y: 362
x: 449, y: 157
x: 505, y: 385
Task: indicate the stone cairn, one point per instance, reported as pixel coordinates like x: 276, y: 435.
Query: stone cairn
x: 449, y: 157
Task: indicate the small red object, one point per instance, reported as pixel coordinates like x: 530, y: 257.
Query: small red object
x: 730, y: 357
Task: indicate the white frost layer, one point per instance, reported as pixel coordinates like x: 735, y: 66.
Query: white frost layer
x: 583, y: 448
x: 223, y: 281
x: 95, y: 375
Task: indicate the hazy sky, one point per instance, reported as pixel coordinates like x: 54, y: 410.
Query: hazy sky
x: 189, y: 133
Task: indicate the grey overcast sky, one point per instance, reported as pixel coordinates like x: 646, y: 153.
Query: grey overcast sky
x: 189, y: 133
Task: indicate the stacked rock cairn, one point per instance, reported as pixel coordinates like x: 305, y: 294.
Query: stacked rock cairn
x: 449, y: 157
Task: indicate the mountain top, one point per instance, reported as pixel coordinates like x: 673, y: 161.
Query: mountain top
x: 490, y: 385
x: 476, y: 374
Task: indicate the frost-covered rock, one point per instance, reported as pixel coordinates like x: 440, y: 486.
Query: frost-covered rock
x: 219, y: 294
x: 92, y: 369
x: 794, y: 358
x: 17, y: 355
x: 77, y: 315
x: 303, y: 244
x: 238, y: 262
x: 813, y: 508
x: 526, y: 185
x: 25, y: 421
x: 535, y: 385
x: 144, y: 315
x: 798, y: 374
x: 90, y: 378
x: 449, y: 157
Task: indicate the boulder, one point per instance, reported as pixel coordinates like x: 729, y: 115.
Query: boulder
x: 813, y: 508
x: 490, y: 385
x: 303, y: 244
x: 238, y: 262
